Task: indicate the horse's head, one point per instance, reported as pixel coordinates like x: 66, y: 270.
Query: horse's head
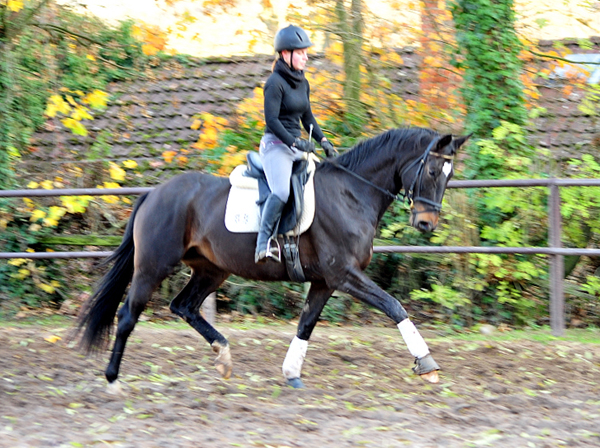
x: 426, y: 178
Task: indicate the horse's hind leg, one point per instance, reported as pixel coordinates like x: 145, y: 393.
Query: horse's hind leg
x: 317, y: 297
x: 205, y: 279
x: 142, y: 287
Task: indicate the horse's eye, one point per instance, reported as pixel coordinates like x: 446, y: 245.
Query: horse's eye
x: 431, y: 172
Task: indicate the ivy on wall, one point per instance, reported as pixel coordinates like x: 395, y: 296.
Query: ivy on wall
x: 488, y: 51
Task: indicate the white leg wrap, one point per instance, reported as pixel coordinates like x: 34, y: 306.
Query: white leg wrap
x: 292, y: 364
x: 414, y: 341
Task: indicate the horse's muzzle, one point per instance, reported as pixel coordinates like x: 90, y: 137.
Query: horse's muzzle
x: 422, y: 219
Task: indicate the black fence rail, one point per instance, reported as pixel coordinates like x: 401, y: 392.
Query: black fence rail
x: 554, y: 250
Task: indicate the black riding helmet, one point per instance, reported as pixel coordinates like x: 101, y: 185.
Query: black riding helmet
x: 291, y: 38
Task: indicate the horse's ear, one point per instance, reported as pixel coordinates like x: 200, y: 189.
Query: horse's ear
x: 458, y: 142
x: 444, y: 141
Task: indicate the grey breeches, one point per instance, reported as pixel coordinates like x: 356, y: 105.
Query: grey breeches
x: 277, y: 159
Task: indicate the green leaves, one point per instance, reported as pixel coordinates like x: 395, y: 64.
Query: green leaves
x: 490, y: 47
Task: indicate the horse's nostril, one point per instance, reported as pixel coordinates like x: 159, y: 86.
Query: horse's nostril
x: 424, y: 226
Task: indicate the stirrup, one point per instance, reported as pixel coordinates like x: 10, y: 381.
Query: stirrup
x: 273, y: 253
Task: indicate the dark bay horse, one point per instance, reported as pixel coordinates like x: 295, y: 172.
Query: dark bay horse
x: 183, y: 220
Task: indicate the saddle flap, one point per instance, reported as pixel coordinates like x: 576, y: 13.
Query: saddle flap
x: 255, y: 166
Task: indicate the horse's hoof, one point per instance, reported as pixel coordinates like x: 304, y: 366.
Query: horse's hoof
x: 115, y: 388
x: 223, y: 362
x: 296, y: 383
x: 432, y: 377
x: 427, y: 369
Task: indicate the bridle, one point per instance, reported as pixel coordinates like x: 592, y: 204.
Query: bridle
x: 408, y: 195
x: 420, y: 163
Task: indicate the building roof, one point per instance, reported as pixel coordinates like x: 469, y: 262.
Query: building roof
x: 149, y: 116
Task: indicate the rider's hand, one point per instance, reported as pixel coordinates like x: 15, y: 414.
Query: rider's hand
x: 328, y: 148
x: 304, y: 145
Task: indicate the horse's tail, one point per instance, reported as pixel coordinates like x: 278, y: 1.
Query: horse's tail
x: 98, y: 313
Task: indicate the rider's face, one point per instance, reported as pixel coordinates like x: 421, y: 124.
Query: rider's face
x: 299, y: 58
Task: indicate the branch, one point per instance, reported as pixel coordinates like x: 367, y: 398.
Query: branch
x: 558, y: 58
x: 78, y: 37
x: 114, y: 64
x: 47, y: 26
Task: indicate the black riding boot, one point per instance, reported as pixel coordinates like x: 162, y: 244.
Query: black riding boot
x: 268, y: 226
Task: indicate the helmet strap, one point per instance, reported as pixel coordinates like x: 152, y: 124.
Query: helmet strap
x: 292, y: 60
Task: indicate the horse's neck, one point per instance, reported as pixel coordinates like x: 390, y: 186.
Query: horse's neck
x: 382, y: 173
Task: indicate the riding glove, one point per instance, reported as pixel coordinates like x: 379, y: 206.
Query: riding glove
x: 304, y: 145
x: 328, y: 148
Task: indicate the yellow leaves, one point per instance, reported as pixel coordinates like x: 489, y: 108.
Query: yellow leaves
x: 335, y: 52
x: 169, y: 155
x: 109, y: 199
x: 196, y: 125
x: 137, y: 32
x: 211, y: 126
x: 130, y: 164
x: 153, y: 38
x: 73, y: 111
x: 90, y: 57
x: 429, y: 60
x: 149, y: 50
x: 28, y: 269
x: 37, y: 215
x: 21, y: 274
x: 14, y: 5
x: 97, y: 99
x: 395, y: 58
x: 49, y: 219
x: 567, y: 90
x: 81, y: 113
x: 56, y: 104
x: 231, y: 159
x: 116, y: 172
x: 75, y: 204
x: 75, y: 126
x: 52, y: 339
x: 33, y: 184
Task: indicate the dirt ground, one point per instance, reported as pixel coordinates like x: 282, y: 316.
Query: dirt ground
x: 360, y: 392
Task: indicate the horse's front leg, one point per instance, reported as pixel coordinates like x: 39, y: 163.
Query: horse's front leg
x: 317, y: 297
x: 357, y: 284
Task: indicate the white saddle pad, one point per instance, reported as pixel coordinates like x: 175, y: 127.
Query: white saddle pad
x: 242, y: 213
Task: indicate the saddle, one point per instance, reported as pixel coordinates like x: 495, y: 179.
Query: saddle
x: 250, y: 190
x: 292, y: 211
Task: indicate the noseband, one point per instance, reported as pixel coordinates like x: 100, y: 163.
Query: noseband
x: 420, y: 164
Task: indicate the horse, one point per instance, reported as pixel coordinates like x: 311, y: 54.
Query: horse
x: 182, y: 220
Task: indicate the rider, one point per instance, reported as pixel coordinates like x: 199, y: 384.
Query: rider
x: 287, y: 102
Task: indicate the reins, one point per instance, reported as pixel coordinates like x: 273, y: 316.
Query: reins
x: 368, y: 182
x: 408, y: 194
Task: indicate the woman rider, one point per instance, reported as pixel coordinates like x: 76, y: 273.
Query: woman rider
x: 287, y: 103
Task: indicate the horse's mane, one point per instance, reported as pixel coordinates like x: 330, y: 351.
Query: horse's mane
x: 395, y: 140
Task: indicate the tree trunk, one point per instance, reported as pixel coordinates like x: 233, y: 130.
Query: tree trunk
x: 350, y: 29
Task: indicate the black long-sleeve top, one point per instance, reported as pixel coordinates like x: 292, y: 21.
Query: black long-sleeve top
x: 287, y: 103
